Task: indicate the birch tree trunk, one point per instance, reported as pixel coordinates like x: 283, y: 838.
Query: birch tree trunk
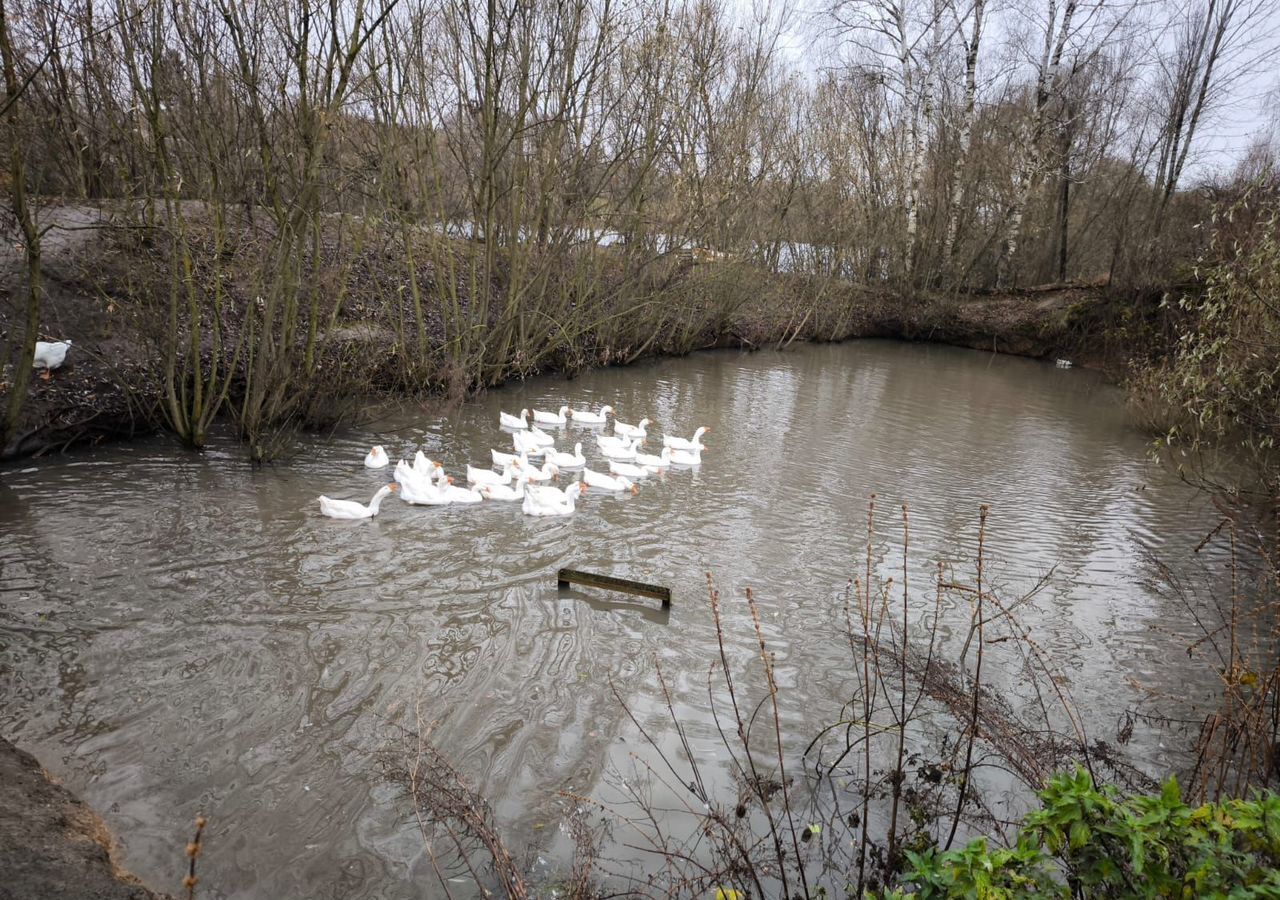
x: 965, y: 139
x: 915, y: 166
x: 1048, y: 83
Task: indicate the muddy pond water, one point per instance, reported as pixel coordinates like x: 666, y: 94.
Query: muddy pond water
x: 180, y: 633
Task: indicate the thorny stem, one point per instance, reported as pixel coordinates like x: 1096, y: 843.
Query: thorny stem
x: 193, y: 851
x: 972, y: 734
x: 743, y: 735
x: 868, y: 699
x: 767, y: 660
x: 902, y: 699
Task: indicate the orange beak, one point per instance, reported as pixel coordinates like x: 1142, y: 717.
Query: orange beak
x: 394, y: 487
x: 635, y: 489
x: 451, y: 479
x: 584, y: 489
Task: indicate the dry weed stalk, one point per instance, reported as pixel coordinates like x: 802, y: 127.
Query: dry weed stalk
x: 1237, y: 744
x: 194, y: 846
x: 917, y: 793
x: 898, y: 779
x: 446, y: 806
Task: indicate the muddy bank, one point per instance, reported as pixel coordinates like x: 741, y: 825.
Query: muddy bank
x: 52, y: 845
x: 107, y: 291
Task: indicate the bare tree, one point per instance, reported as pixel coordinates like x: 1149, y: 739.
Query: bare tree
x: 1208, y: 54
x: 972, y: 44
x: 17, y: 128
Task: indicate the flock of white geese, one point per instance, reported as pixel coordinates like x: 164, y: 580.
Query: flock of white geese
x: 520, y: 478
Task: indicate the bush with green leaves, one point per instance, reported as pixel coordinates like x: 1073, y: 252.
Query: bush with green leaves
x: 1224, y: 376
x: 1086, y: 841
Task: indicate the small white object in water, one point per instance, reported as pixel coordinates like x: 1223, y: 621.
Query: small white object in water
x: 1064, y: 364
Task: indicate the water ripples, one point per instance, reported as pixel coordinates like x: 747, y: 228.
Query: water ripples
x: 178, y: 633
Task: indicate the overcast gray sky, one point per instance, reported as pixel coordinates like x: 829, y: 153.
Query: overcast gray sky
x: 1251, y: 110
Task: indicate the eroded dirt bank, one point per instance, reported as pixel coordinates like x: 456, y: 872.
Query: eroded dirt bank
x: 53, y: 846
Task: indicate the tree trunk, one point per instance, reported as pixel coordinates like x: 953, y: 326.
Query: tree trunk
x: 956, y: 192
x: 1048, y: 82
x: 1195, y: 78
x: 1064, y: 208
x: 31, y: 237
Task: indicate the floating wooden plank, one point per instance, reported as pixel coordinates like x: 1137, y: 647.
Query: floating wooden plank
x: 565, y: 577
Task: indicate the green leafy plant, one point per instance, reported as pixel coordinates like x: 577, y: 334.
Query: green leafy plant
x: 1225, y: 374
x: 1088, y: 841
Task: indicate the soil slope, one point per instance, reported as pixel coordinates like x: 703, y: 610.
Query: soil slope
x: 53, y: 846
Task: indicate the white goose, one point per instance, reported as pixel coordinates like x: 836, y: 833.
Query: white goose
x: 550, y: 502
x: 424, y: 466
x: 405, y: 473
x: 486, y: 476
x: 50, y: 355
x: 457, y: 494
x: 552, y: 494
x: 349, y: 509
x: 655, y: 462
x: 525, y: 444
x: 593, y: 418
x: 413, y: 481
x: 608, y: 482
x: 622, y: 429
x: 555, y: 418
x: 504, y: 492
x: 574, y: 460
x: 687, y: 457
x: 539, y: 437
x: 627, y: 470
x: 677, y: 443
x: 548, y: 471
x: 376, y: 458
x: 501, y: 459
x: 627, y: 452
x: 608, y: 440
x: 421, y: 491
x: 519, y: 422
